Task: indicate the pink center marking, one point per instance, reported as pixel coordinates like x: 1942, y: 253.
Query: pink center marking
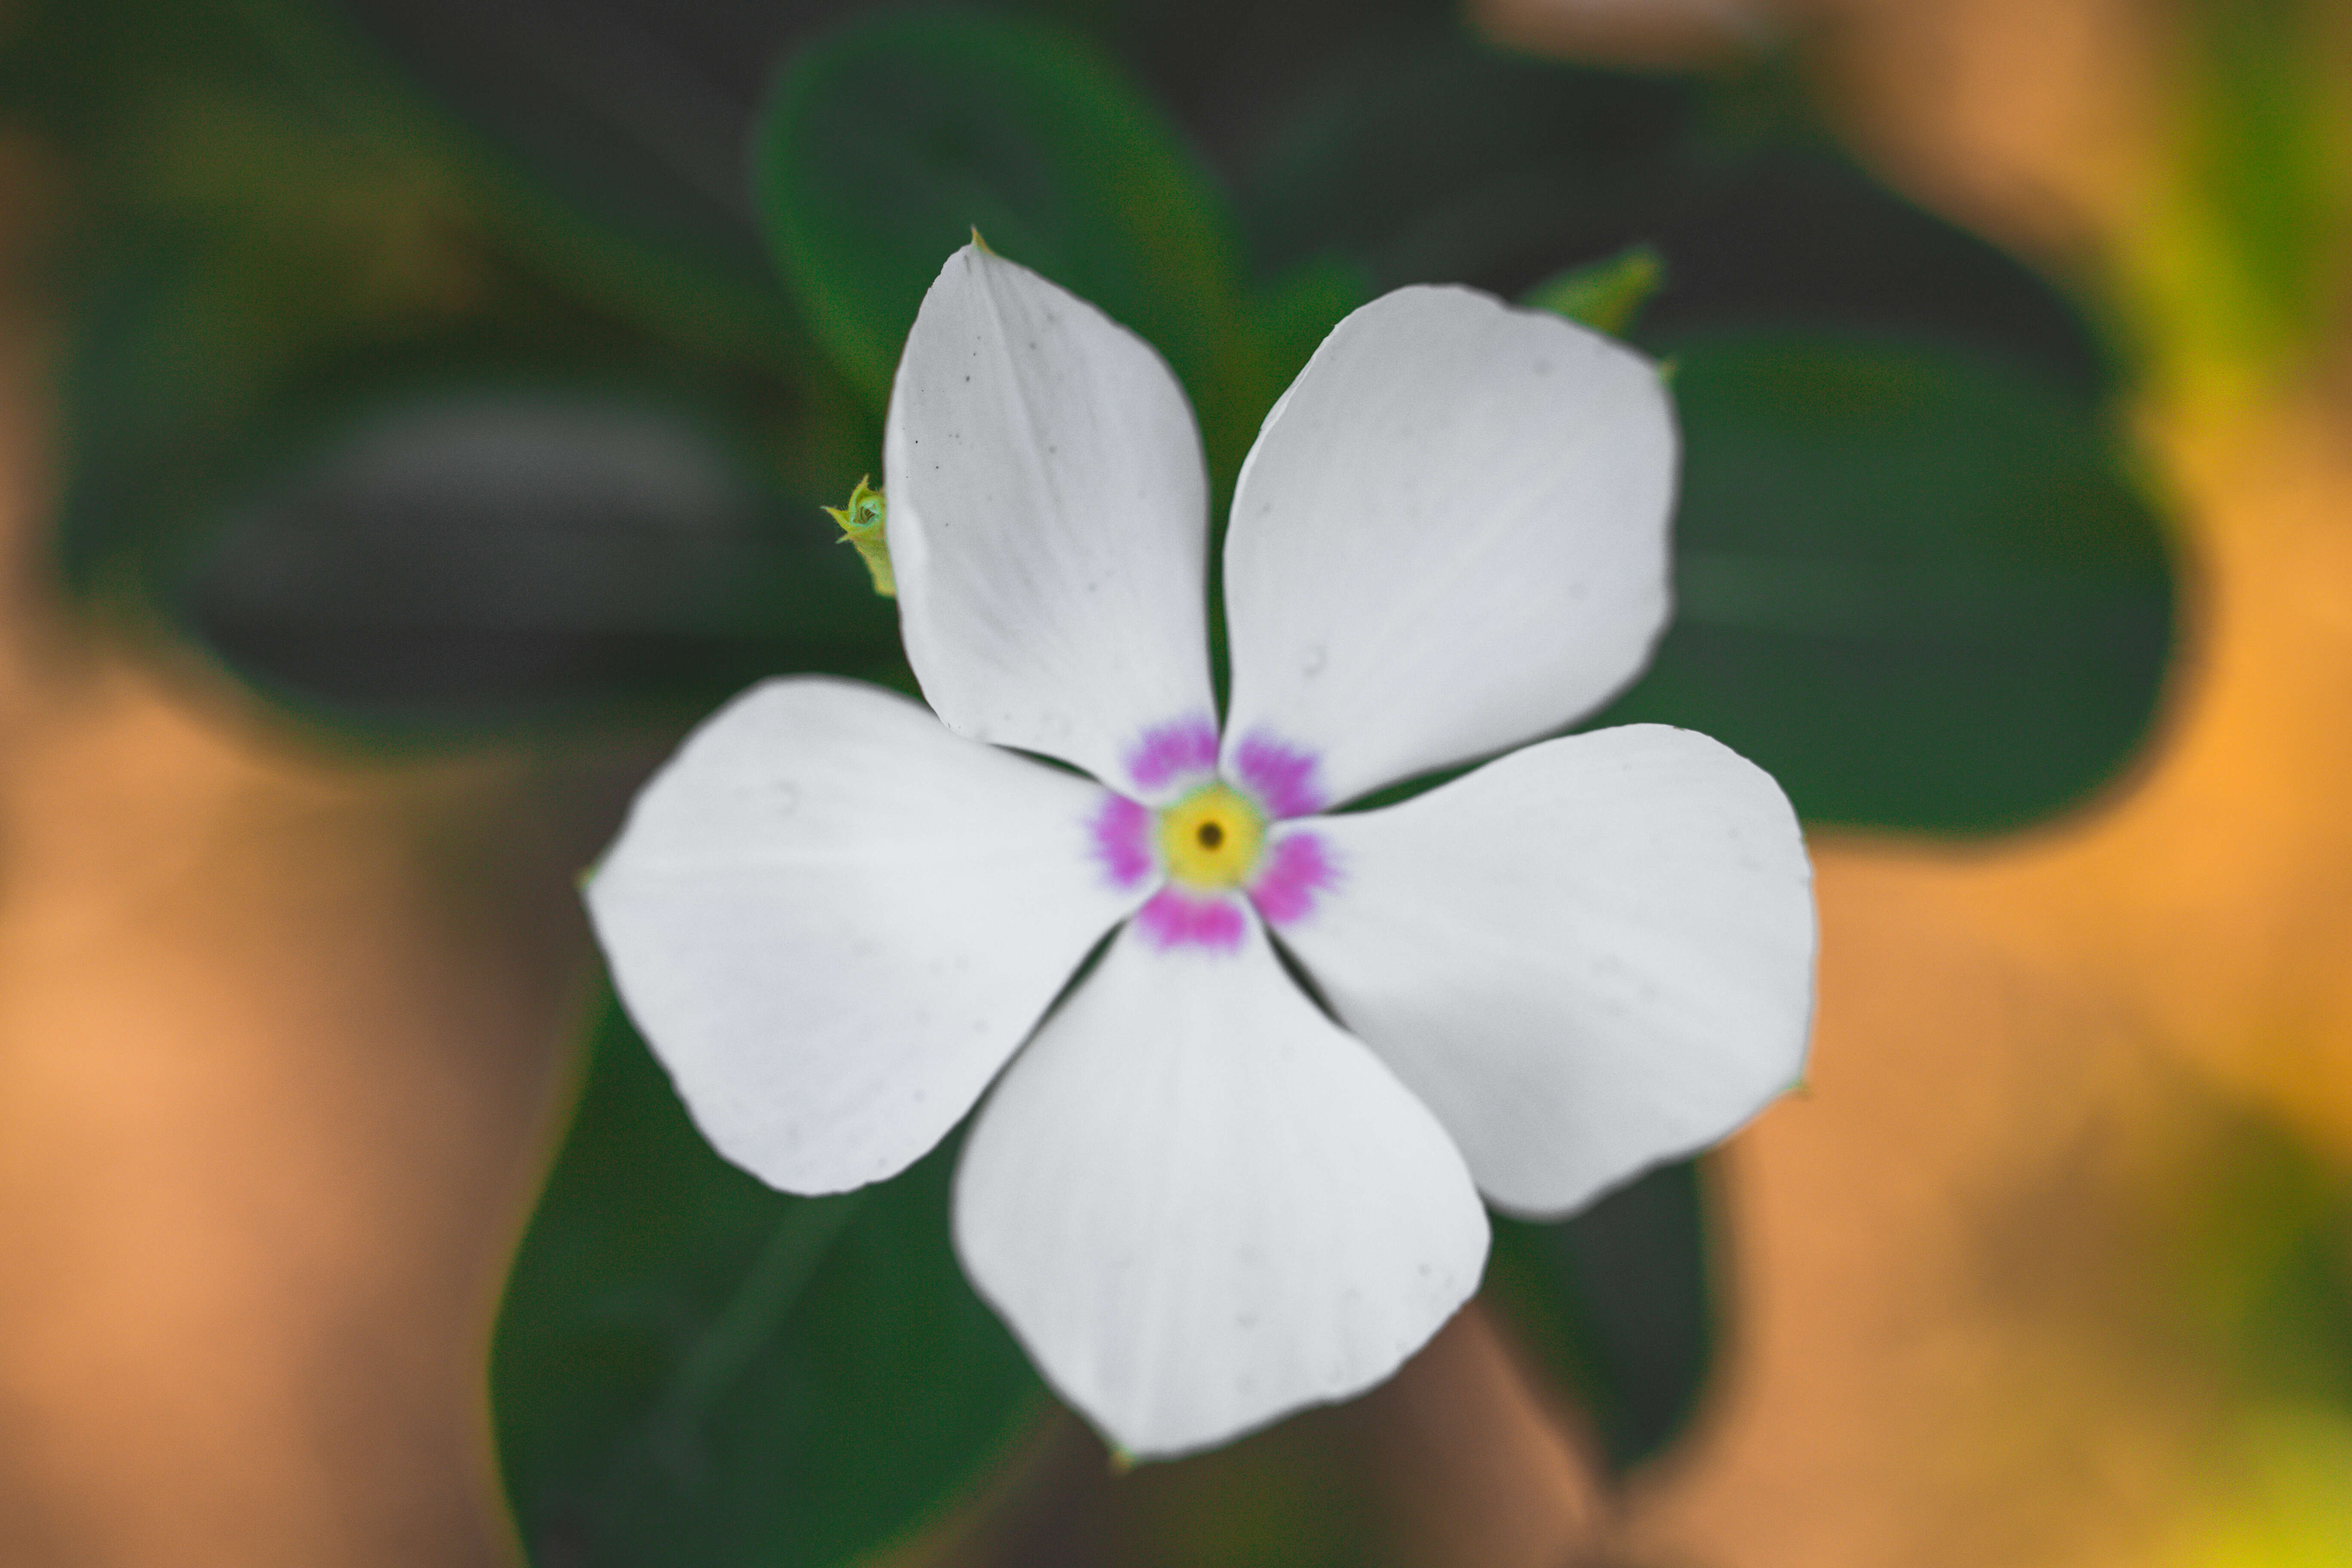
x: 1172, y: 917
x: 1298, y: 867
x: 1122, y: 835
x: 1281, y: 776
x: 1172, y: 752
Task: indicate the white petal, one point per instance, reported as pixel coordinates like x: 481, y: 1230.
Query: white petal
x: 1587, y: 957
x: 1450, y: 538
x: 1201, y: 1205
x: 833, y: 921
x: 1048, y: 520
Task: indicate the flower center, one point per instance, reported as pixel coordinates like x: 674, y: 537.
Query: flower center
x: 1209, y: 839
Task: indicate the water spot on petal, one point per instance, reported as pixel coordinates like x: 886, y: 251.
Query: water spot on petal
x: 1310, y: 660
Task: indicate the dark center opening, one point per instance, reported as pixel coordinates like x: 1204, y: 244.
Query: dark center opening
x: 1211, y: 834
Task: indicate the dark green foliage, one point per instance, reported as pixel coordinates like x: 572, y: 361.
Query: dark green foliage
x: 285, y: 256
x: 1913, y: 581
x: 1616, y: 1304
x: 492, y: 557
x: 889, y: 144
x: 692, y: 1369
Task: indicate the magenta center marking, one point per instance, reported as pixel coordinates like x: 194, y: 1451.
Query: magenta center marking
x: 1298, y: 868
x: 1281, y: 776
x: 1168, y: 753
x: 1122, y: 840
x: 1173, y: 918
x: 1284, y: 880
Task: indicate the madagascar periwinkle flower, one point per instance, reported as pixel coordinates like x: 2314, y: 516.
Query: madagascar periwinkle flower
x: 1200, y: 1195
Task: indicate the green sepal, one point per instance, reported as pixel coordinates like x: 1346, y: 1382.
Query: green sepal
x: 864, y: 525
x: 1608, y: 295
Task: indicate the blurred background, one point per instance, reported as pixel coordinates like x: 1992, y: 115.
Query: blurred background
x: 404, y: 433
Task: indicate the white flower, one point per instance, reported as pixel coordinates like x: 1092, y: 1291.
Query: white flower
x: 1199, y: 1200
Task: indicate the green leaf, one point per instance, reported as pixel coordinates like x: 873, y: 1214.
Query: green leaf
x: 275, y: 229
x: 1912, y: 582
x: 487, y: 556
x: 693, y: 1370
x: 889, y: 142
x: 1432, y: 155
x: 1615, y: 1304
x: 636, y: 110
x: 1427, y: 155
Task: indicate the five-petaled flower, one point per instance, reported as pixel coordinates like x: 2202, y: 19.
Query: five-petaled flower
x: 1199, y: 1196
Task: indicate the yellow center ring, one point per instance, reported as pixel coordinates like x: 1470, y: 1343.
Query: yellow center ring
x: 1210, y: 840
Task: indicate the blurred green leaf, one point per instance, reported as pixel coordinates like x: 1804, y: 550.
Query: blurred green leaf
x: 1432, y: 156
x: 490, y: 556
x: 1290, y: 317
x: 2260, y: 230
x: 271, y: 223
x: 692, y: 1369
x: 635, y: 111
x: 1424, y: 155
x: 287, y: 258
x: 2262, y: 1255
x: 1614, y: 1304
x: 889, y: 141
x: 1911, y: 581
x: 1793, y: 234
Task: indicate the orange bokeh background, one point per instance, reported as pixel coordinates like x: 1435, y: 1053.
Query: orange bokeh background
x: 283, y: 1032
